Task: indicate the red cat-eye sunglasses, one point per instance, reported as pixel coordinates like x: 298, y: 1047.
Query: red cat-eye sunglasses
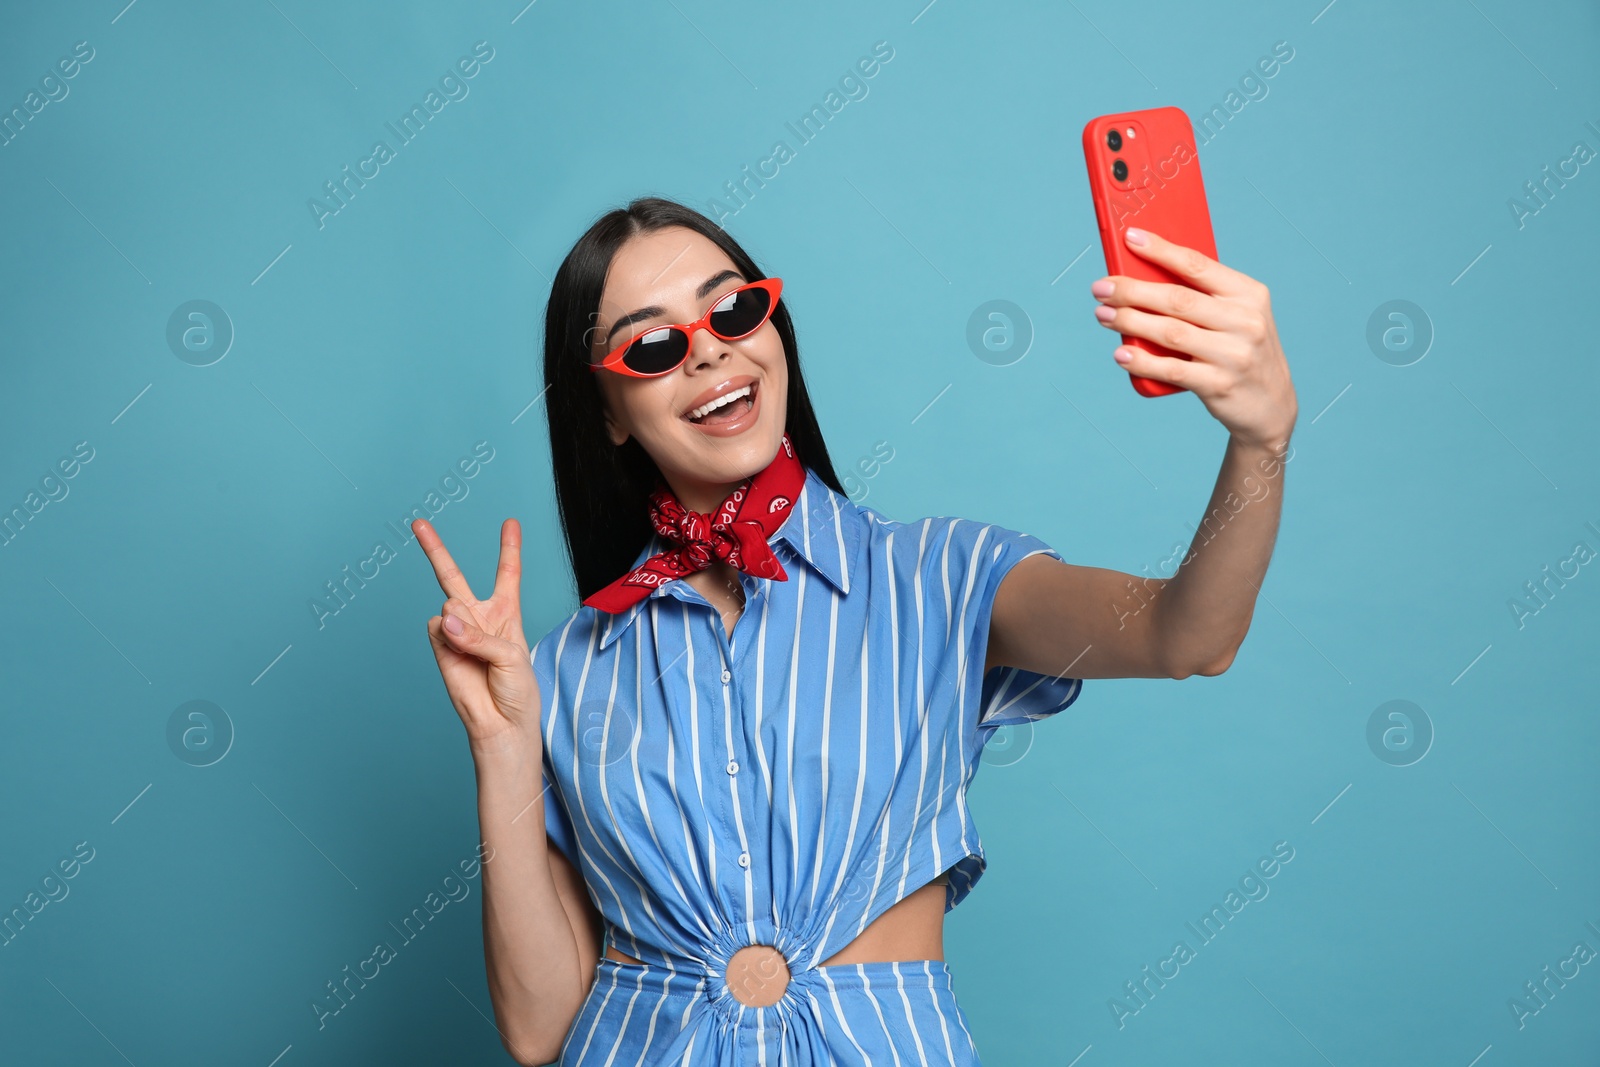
x: 662, y: 349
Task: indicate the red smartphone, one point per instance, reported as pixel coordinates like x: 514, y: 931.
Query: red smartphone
x: 1144, y: 171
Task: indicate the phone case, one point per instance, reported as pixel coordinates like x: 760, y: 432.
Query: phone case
x: 1162, y: 193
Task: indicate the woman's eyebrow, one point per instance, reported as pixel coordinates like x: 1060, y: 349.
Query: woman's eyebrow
x: 701, y: 293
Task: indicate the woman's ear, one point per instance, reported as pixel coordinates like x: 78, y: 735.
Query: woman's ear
x: 614, y: 430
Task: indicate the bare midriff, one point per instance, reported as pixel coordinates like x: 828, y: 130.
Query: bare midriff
x: 912, y: 929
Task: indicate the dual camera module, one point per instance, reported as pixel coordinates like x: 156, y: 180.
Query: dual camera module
x: 1119, y: 169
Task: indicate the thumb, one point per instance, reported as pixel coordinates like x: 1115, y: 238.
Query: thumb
x: 465, y: 636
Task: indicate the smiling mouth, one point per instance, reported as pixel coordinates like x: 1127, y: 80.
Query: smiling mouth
x: 725, y: 410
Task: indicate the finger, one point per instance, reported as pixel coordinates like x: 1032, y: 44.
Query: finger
x: 471, y: 640
x: 1177, y: 301
x: 441, y: 646
x: 1190, y: 264
x: 1209, y: 345
x: 466, y: 609
x: 451, y: 580
x: 508, y: 575
x: 1189, y: 374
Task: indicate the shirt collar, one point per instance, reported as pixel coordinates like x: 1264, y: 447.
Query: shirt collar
x: 818, y: 530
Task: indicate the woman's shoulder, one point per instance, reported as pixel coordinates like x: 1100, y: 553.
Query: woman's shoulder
x: 559, y: 657
x: 857, y: 521
x: 571, y: 634
x: 957, y: 561
x: 943, y: 537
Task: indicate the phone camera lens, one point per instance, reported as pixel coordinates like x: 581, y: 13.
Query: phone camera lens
x: 1119, y: 170
x: 1114, y: 140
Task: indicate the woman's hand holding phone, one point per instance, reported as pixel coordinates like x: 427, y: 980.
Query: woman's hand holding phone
x: 1222, y: 319
x: 481, y: 650
x: 1200, y: 327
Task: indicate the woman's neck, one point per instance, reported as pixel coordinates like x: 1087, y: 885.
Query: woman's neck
x: 704, y: 497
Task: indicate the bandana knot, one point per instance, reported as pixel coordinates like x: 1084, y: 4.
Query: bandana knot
x: 736, y: 532
x: 702, y: 540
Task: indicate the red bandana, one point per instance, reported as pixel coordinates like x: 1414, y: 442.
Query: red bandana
x: 737, y: 532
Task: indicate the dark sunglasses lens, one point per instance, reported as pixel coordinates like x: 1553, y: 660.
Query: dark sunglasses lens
x: 657, y: 351
x: 740, y: 312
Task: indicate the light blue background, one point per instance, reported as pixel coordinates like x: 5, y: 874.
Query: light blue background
x: 372, y: 353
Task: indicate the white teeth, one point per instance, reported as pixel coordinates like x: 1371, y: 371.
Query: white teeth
x: 726, y: 398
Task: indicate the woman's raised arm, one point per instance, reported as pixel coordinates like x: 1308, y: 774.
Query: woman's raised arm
x: 1088, y: 622
x: 540, y: 935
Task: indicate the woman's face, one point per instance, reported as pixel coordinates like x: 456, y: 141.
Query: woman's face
x: 675, y: 276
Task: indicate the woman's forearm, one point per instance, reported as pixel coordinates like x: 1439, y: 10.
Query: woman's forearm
x: 530, y: 952
x: 1204, y: 610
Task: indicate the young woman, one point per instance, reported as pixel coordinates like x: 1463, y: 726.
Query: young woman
x: 741, y: 764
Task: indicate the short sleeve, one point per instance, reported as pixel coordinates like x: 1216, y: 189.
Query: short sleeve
x: 980, y: 555
x: 557, y: 820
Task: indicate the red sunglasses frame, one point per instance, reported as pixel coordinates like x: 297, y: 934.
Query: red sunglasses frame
x: 614, y: 361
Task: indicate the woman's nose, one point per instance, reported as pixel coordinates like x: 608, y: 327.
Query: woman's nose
x: 707, y: 349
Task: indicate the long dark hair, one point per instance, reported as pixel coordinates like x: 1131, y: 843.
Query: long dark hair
x: 603, y: 489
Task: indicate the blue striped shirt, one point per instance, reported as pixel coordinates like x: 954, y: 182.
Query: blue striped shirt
x: 783, y: 785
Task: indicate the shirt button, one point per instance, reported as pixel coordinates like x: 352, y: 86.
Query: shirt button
x: 727, y: 676
x: 733, y: 766
x: 744, y: 859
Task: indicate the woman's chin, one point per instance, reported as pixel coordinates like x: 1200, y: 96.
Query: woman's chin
x: 733, y: 456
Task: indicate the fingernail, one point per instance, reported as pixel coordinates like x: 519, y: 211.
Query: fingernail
x: 1136, y: 236
x: 1102, y: 288
x: 453, y: 624
x: 1104, y: 313
x: 1122, y: 355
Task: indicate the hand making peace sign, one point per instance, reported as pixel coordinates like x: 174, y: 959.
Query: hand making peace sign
x: 485, y: 666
